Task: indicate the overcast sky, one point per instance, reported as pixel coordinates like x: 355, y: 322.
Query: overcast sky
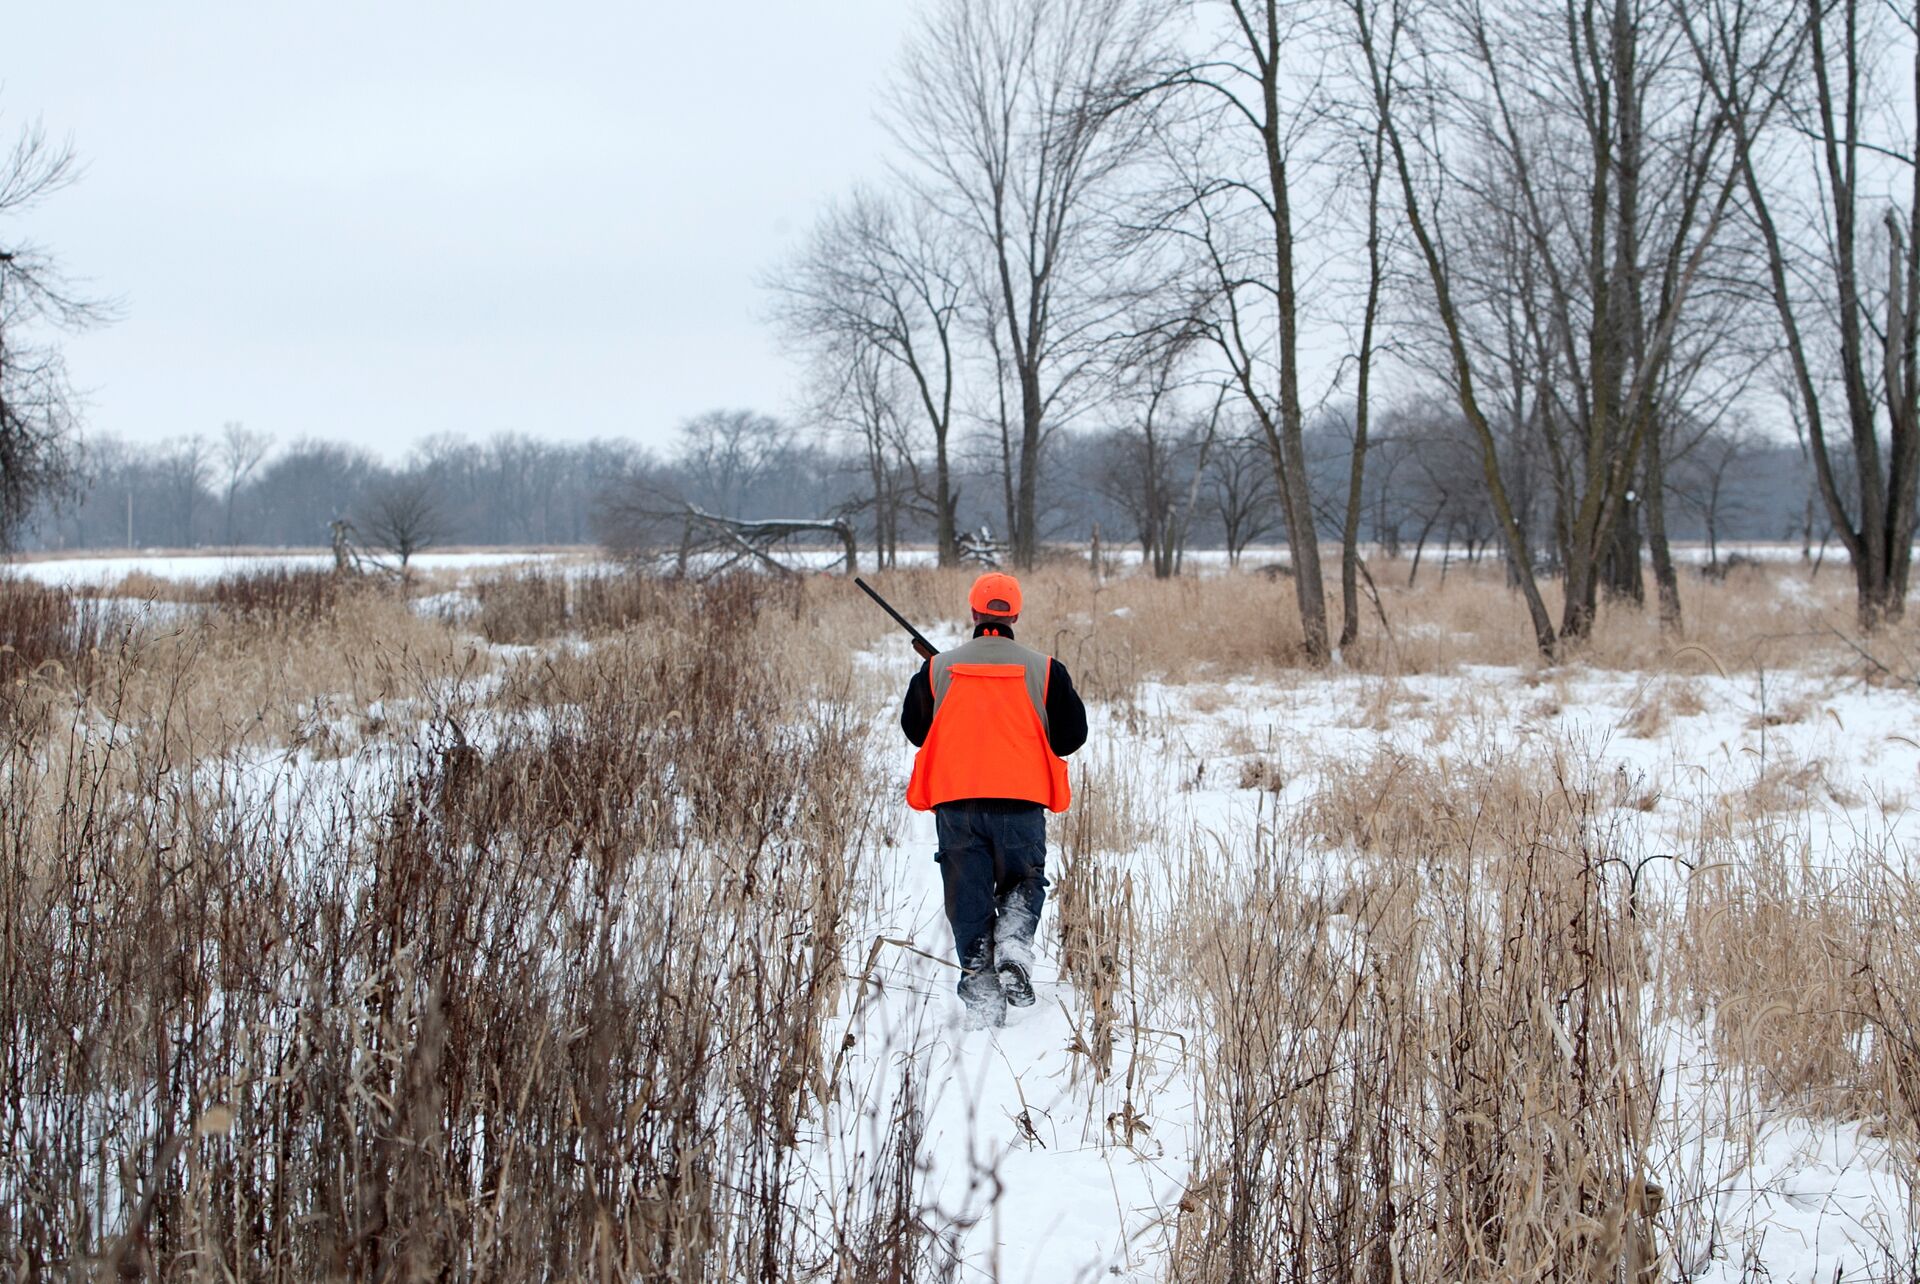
x: 375, y: 222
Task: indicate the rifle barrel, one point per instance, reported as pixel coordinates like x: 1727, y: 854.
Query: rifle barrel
x: 901, y: 620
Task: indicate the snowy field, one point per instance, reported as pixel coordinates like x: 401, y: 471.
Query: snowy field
x: 204, y: 568
x: 107, y: 570
x: 1075, y: 1143
x: 1775, y: 1195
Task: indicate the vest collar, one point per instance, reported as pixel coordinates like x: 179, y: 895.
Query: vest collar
x: 992, y: 628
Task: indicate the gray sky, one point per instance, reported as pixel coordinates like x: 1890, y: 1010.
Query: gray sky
x: 373, y: 222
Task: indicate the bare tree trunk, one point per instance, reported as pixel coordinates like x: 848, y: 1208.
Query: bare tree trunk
x: 1258, y: 60
x: 1356, y: 473
x: 1622, y: 575
x: 1518, y: 558
x: 1667, y: 584
x: 1303, y: 539
x: 1184, y: 523
x: 1877, y: 530
x: 1026, y: 536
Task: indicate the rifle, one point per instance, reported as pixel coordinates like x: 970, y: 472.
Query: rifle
x: 921, y: 647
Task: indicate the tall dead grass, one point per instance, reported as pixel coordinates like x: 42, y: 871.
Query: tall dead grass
x: 1117, y: 632
x: 542, y: 995
x: 1428, y: 1065
x: 538, y: 981
x: 1804, y: 972
x: 50, y: 644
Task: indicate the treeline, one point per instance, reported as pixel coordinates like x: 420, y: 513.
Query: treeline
x: 238, y: 488
x: 1200, y: 489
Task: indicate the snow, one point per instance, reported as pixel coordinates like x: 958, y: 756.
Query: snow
x: 1034, y: 1169
x: 107, y: 569
x: 1798, y: 1197
x: 203, y: 568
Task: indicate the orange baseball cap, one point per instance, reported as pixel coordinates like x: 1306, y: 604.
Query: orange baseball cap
x: 995, y: 593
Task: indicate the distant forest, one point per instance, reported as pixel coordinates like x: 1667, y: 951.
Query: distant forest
x: 238, y: 488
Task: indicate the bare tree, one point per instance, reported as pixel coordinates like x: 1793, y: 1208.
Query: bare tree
x: 1373, y: 165
x: 862, y: 398
x: 1242, y: 489
x: 1706, y: 479
x: 727, y: 457
x: 1852, y: 343
x: 877, y: 281
x: 402, y: 516
x: 186, y: 471
x: 240, y: 452
x: 1235, y: 141
x: 1153, y: 465
x: 1591, y: 131
x: 37, y: 409
x: 1013, y: 114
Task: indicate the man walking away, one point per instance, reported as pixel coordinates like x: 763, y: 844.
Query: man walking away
x: 992, y: 720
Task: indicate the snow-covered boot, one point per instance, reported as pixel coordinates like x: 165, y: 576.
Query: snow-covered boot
x: 1015, y: 984
x: 984, y: 1013
x: 984, y: 1006
x: 983, y: 1010
x: 1013, y: 952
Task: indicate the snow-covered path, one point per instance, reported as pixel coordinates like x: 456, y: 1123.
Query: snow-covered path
x: 1028, y: 1170
x: 1032, y: 1169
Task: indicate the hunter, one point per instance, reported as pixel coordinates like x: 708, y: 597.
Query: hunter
x: 992, y: 720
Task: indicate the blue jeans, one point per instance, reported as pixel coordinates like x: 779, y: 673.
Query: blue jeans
x: 993, y: 861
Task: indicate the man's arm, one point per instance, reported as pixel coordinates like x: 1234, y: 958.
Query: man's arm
x: 916, y: 714
x: 1066, y: 716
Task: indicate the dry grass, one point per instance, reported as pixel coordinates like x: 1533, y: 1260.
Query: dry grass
x: 49, y: 647
x: 529, y: 965
x: 1434, y: 1004
x: 269, y: 677
x: 1441, y: 1077
x: 1117, y: 632
x: 544, y: 996
x: 1770, y: 949
x: 292, y: 596
x: 1658, y: 702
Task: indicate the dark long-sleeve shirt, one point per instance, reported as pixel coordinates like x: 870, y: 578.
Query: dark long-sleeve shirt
x: 1066, y: 715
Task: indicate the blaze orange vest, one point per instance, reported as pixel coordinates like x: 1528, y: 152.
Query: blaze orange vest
x: 989, y: 733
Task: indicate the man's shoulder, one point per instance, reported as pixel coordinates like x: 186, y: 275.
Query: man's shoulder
x: 993, y: 650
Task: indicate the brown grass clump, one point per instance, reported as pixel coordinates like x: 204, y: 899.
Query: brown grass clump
x: 1395, y: 802
x: 1441, y: 1080
x: 606, y: 602
x: 45, y: 629
x: 49, y: 649
x: 1094, y: 922
x: 269, y: 677
x: 1805, y: 974
x: 544, y: 996
x: 292, y: 595
x: 521, y: 606
x: 528, y: 606
x: 1771, y: 949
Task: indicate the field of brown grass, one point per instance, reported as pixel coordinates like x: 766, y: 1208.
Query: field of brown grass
x: 533, y: 924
